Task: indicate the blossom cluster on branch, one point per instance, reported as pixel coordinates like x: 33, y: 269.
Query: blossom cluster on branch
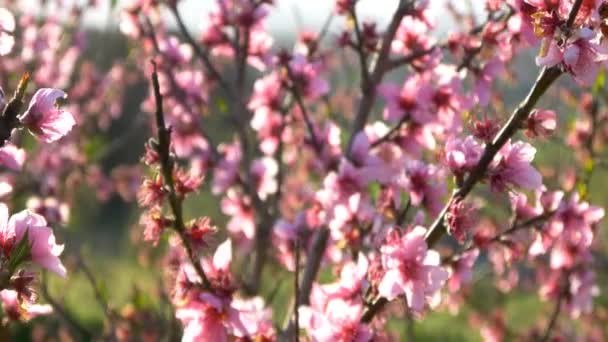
x: 383, y: 156
x: 365, y: 183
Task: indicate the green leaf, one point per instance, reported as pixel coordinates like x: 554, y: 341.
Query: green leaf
x: 589, y: 165
x: 21, y: 253
x: 599, y: 82
x: 222, y: 105
x: 94, y: 147
x: 102, y: 289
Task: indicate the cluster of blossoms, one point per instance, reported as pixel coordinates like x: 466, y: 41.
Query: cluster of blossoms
x: 371, y: 200
x: 41, y: 174
x: 26, y: 236
x: 384, y: 195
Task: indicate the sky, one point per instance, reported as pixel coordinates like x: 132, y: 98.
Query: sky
x: 288, y: 16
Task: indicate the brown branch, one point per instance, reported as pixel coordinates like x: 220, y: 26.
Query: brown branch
x: 180, y: 95
x: 359, y: 47
x: 558, y: 307
x: 9, y: 119
x: 313, y: 264
x: 397, y: 62
x: 300, y: 102
x: 314, y: 258
x: 198, y: 51
x: 368, y: 89
x: 500, y: 237
x: 390, y: 134
x: 166, y: 163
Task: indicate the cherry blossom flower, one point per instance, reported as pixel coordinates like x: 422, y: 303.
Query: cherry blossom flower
x: 21, y: 310
x: 411, y: 100
x: 339, y: 320
x: 512, y: 165
x: 581, y: 56
x: 462, y: 155
x: 7, y: 26
x: 424, y: 184
x: 12, y: 157
x: 43, y: 249
x: 44, y: 119
x: 541, y: 123
x: 461, y: 270
x: 411, y: 269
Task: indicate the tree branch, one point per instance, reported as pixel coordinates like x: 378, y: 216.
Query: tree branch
x: 544, y: 81
x: 164, y: 142
x: 368, y: 89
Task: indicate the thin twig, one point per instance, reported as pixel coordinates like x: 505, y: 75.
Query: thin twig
x: 359, y: 47
x: 296, y: 284
x: 164, y: 142
x: 368, y: 89
x: 300, y: 102
x: 72, y: 323
x: 558, y: 307
x: 313, y: 264
x: 202, y: 55
x: 390, y: 134
x: 515, y: 227
x: 107, y: 311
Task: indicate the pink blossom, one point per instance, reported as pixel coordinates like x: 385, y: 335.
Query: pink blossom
x: 424, y: 184
x: 227, y: 170
x: 260, y: 43
x: 571, y: 229
x: 152, y: 192
x: 521, y: 208
x: 43, y: 249
x: 462, y: 155
x: 54, y: 211
x: 154, y: 225
x: 413, y: 36
x: 242, y: 221
x: 541, y: 123
x: 461, y: 270
x: 254, y: 320
x: 307, y: 76
x: 411, y: 100
x: 12, y: 157
x: 21, y: 310
x: 338, y: 320
x: 206, y: 318
x: 460, y: 220
x: 352, y: 281
x: 448, y: 98
x: 173, y: 51
x: 485, y: 77
x: 512, y: 165
x: 200, y: 231
x: 581, y: 56
x: 44, y: 118
x: 7, y: 26
x: 264, y: 172
x: 411, y: 269
x: 582, y: 288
